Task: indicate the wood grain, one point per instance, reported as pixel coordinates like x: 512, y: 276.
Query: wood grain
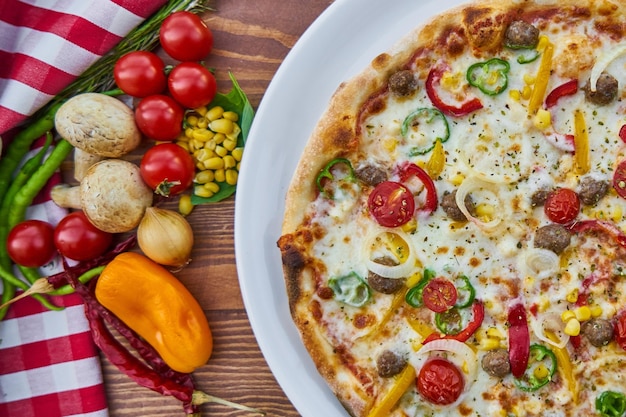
x: 251, y: 39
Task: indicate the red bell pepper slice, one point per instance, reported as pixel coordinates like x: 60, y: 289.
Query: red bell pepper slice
x: 408, y: 170
x: 566, y: 89
x: 599, y: 226
x: 519, y: 340
x: 432, y: 82
x: 478, y: 311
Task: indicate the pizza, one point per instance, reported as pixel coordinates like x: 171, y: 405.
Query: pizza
x: 454, y: 235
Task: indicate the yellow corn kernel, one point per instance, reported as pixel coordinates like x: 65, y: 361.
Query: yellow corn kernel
x: 410, y: 226
x: 203, y: 123
x: 567, y: 315
x: 237, y: 153
x: 390, y: 144
x: 219, y: 138
x: 221, y: 151
x: 485, y: 210
x: 543, y: 119
x: 529, y: 79
x: 214, y: 163
x: 201, y: 191
x: 541, y: 371
x: 203, y: 134
x: 189, y: 132
x: 231, y: 115
x: 184, y: 145
x: 457, y: 179
x: 494, y: 332
x: 201, y: 110
x: 229, y: 162
x: 203, y: 155
x: 210, y: 144
x: 231, y: 176
x: 489, y: 343
x: 184, y: 204
x: 192, y: 120
x: 220, y: 175
x: 224, y: 126
x: 238, y: 166
x: 542, y: 43
x: 205, y: 176
x: 211, y: 186
x: 572, y: 296
x: 617, y: 214
x: 197, y: 144
x: 229, y: 144
x: 596, y: 311
x: 572, y: 327
x: 200, y: 165
x: 235, y: 133
x: 526, y: 92
x: 214, y: 113
x: 583, y: 313
x: 515, y: 95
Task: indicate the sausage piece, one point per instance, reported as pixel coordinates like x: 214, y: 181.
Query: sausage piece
x: 598, y: 331
x: 606, y: 90
x: 496, y: 363
x: 554, y: 237
x: 591, y: 190
x: 382, y: 284
x: 448, y: 204
x: 371, y: 174
x: 389, y: 364
x: 402, y: 83
x: 521, y: 35
x: 539, y: 198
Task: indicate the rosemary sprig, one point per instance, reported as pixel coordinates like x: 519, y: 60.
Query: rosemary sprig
x: 99, y: 76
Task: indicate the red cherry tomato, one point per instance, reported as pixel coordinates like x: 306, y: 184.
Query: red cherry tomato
x: 159, y: 117
x: 185, y: 37
x: 167, y: 168
x: 140, y: 74
x: 191, y: 84
x: 440, y: 381
x: 391, y: 204
x: 31, y: 243
x: 619, y: 179
x: 439, y: 295
x: 76, y: 238
x: 562, y: 205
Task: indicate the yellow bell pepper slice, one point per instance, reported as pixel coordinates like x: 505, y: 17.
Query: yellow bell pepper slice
x: 581, y: 144
x: 402, y: 382
x: 437, y: 160
x: 541, y: 80
x: 565, y: 366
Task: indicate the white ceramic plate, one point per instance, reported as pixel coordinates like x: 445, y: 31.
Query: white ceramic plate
x: 341, y: 42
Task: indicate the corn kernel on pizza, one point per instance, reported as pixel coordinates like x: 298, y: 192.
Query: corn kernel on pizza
x: 454, y: 240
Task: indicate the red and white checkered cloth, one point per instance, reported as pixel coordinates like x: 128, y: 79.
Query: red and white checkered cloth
x: 49, y: 365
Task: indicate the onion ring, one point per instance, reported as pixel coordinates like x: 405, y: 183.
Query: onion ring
x: 466, y: 188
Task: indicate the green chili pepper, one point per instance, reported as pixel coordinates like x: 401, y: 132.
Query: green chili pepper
x: 450, y: 321
x: 351, y: 289
x: 440, y: 129
x: 528, y: 57
x: 490, y: 76
x: 611, y: 404
x: 465, y: 292
x: 540, y: 369
x: 327, y: 173
x: 414, y: 295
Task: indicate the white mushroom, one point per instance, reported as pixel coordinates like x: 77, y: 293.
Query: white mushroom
x: 98, y: 126
x: 112, y: 195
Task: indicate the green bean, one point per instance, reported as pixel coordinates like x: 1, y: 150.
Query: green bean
x: 7, y: 276
x: 8, y: 292
x: 37, y: 181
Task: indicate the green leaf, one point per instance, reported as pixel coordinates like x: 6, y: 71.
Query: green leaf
x: 237, y: 101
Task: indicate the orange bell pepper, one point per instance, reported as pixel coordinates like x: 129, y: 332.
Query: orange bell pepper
x: 158, y: 307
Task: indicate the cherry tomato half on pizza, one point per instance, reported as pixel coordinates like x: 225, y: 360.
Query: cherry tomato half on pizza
x: 440, y: 381
x: 562, y: 205
x: 439, y: 295
x: 391, y: 203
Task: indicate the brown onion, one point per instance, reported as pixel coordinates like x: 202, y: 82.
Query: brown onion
x: 166, y: 237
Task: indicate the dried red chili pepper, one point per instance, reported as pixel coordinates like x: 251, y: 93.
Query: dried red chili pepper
x: 432, y: 82
x: 519, y: 340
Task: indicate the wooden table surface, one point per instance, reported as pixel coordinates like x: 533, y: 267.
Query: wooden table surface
x: 251, y: 39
